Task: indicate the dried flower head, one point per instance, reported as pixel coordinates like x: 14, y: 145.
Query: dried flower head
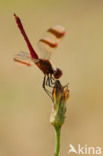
x: 60, y: 96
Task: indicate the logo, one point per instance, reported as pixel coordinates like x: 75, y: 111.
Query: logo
x: 90, y: 150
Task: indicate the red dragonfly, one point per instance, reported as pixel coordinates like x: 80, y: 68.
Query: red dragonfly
x: 47, y: 45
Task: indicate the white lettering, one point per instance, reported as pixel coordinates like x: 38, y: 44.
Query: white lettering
x: 85, y: 150
x: 91, y: 150
x: 80, y: 149
x: 98, y: 150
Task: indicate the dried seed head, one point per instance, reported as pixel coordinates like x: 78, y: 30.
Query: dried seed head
x: 60, y: 96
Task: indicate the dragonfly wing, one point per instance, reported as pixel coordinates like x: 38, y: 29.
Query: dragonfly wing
x: 57, y: 31
x: 49, y: 43
x: 23, y: 58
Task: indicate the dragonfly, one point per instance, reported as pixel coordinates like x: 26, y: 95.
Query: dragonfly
x: 47, y: 45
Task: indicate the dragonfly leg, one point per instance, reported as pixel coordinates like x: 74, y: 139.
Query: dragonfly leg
x: 44, y: 81
x: 46, y: 90
x: 49, y: 81
x: 52, y: 81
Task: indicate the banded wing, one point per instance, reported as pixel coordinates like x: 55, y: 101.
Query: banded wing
x: 23, y: 58
x: 50, y: 41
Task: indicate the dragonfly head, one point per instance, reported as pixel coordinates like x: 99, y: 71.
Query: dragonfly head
x: 57, y: 73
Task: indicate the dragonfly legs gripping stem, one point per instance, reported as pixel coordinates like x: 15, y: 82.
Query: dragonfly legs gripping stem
x: 49, y: 81
x: 46, y: 82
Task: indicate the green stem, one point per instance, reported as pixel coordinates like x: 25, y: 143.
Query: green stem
x: 57, y: 147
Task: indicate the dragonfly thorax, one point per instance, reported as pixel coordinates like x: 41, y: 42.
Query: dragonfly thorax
x: 45, y: 66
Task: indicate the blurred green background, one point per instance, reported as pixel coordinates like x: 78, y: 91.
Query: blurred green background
x: 24, y: 107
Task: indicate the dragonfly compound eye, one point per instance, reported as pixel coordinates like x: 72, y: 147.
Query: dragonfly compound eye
x: 57, y: 73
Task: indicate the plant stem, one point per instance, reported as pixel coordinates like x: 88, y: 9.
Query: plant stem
x: 57, y: 147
